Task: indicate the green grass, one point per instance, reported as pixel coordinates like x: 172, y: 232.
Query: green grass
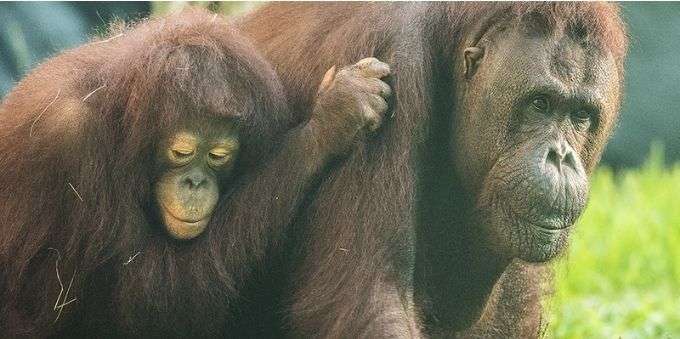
x: 621, y: 275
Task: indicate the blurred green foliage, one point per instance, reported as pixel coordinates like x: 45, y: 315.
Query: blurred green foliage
x: 224, y: 7
x: 649, y: 109
x: 621, y: 275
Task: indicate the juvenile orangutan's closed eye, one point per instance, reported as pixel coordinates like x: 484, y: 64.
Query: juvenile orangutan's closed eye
x: 182, y: 152
x: 181, y: 155
x: 182, y: 148
x: 218, y: 153
x: 222, y: 154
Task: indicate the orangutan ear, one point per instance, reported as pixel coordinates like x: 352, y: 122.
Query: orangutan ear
x: 473, y: 56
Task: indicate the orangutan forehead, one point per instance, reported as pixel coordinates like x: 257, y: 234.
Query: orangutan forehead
x: 594, y: 26
x: 200, y: 84
x: 537, y: 25
x: 194, y: 130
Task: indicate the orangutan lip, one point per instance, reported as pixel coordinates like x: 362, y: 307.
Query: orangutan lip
x: 187, y: 222
x: 548, y: 230
x: 549, y: 226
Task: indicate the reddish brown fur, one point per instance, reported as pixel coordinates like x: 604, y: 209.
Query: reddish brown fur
x: 509, y: 314
x: 78, y: 138
x: 362, y: 239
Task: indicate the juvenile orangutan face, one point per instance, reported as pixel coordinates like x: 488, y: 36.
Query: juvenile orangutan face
x: 195, y: 164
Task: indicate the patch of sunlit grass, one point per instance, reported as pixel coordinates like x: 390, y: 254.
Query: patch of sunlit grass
x: 621, y: 275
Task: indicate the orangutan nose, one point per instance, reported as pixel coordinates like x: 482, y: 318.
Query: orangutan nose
x: 195, y: 180
x: 560, y: 155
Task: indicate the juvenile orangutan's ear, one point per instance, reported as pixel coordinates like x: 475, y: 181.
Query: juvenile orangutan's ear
x: 473, y: 56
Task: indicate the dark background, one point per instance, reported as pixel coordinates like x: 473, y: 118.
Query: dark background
x: 30, y: 32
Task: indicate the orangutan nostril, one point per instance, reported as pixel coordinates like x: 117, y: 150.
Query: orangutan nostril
x: 561, y: 154
x: 554, y: 158
x: 569, y: 159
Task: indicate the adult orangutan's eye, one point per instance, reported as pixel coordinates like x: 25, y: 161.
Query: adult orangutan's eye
x: 582, y: 115
x: 582, y: 119
x: 540, y: 103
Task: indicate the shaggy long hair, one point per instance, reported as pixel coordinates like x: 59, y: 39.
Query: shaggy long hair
x: 80, y: 249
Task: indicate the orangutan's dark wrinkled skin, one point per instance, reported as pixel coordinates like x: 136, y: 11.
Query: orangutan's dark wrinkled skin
x: 553, y: 94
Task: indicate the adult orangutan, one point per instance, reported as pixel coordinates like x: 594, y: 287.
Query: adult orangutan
x: 145, y: 176
x: 501, y: 112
